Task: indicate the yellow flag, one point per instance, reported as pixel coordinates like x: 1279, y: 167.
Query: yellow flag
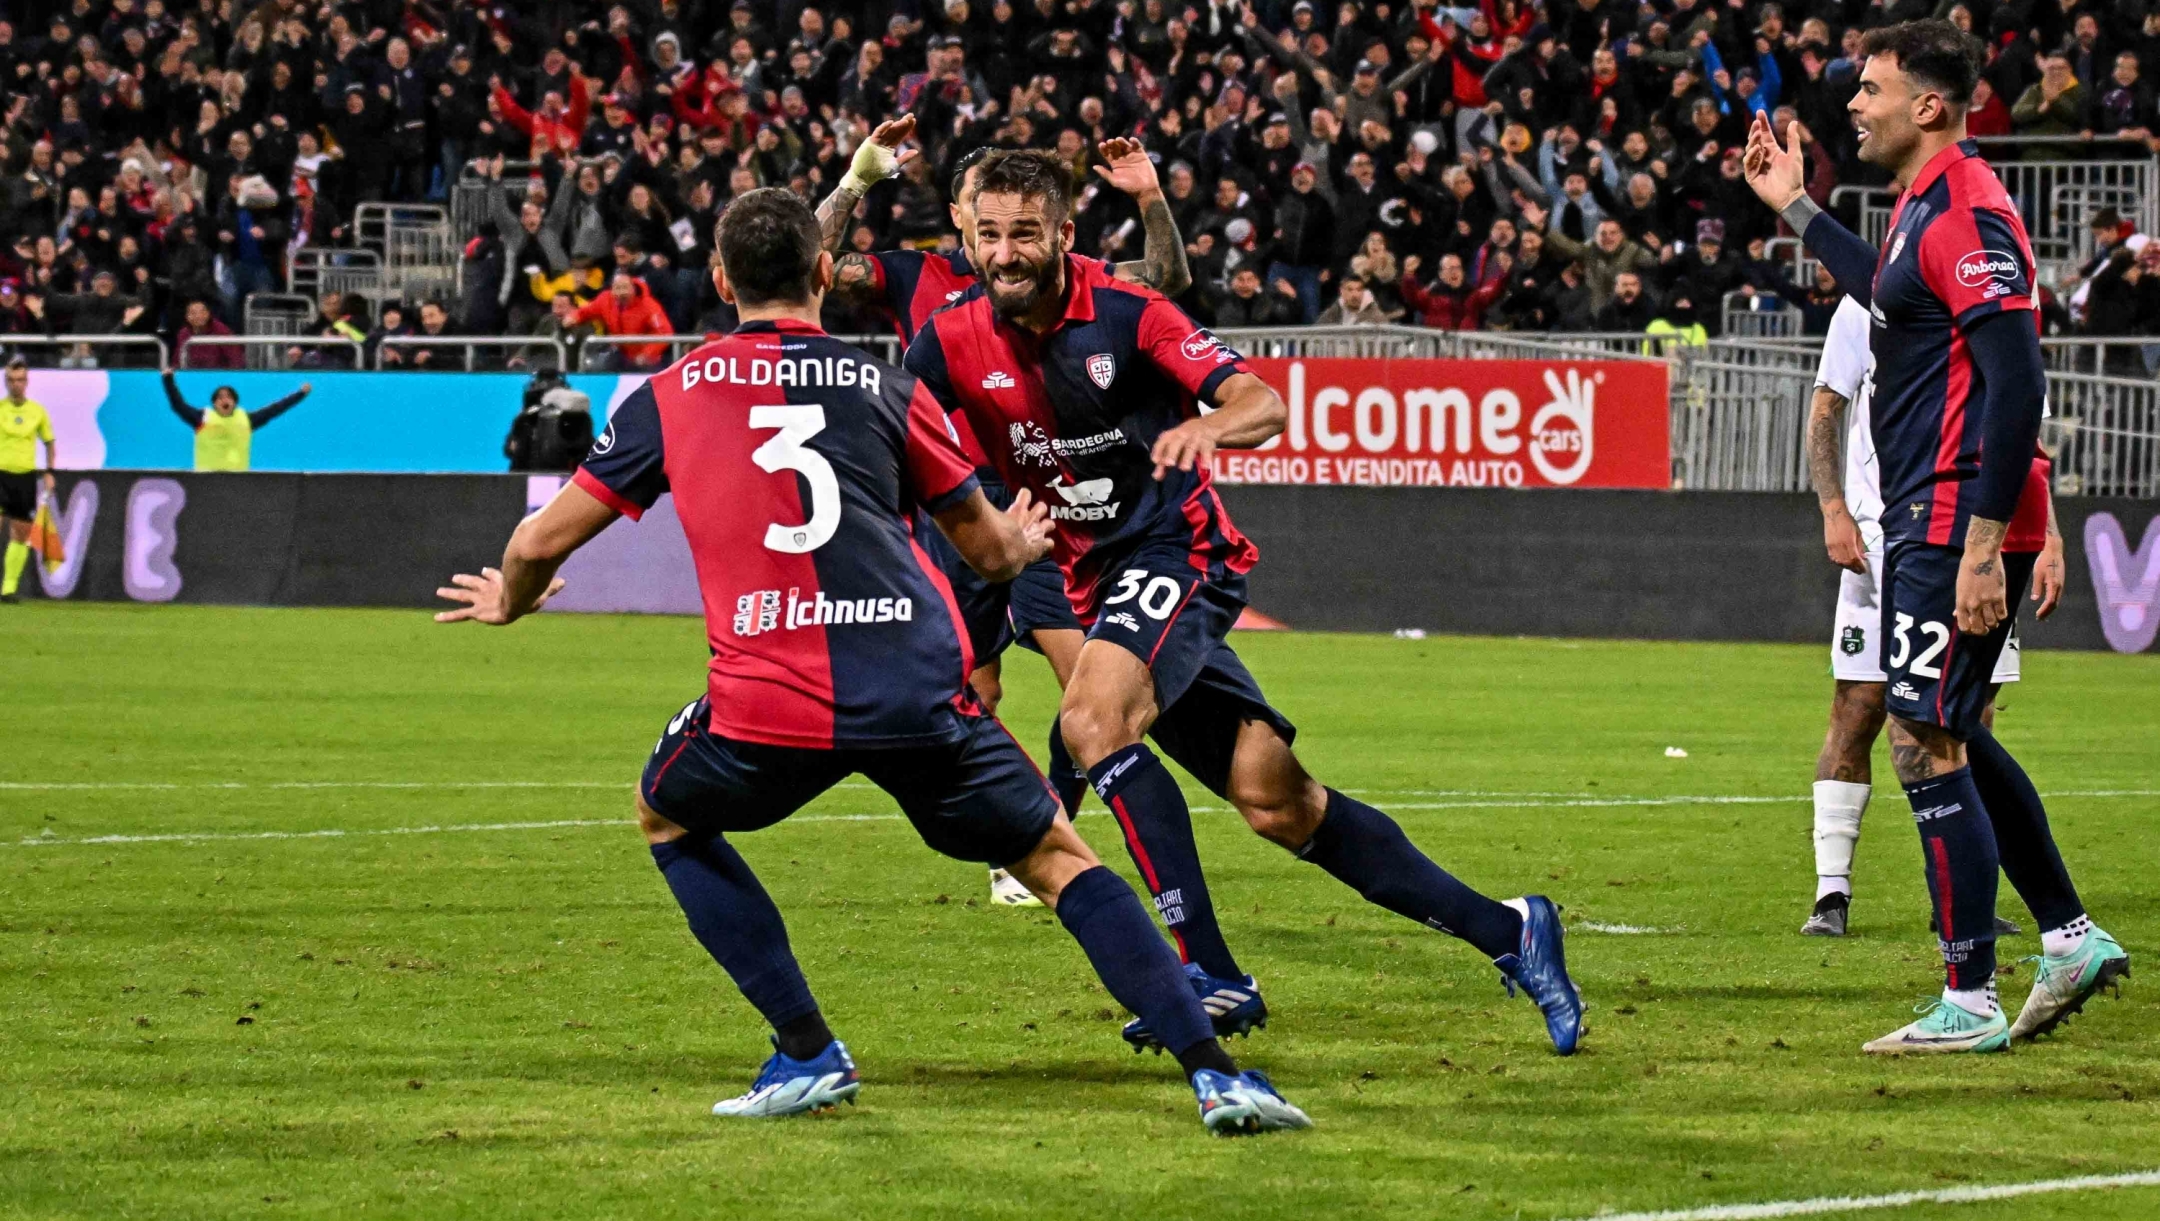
x: 45, y: 537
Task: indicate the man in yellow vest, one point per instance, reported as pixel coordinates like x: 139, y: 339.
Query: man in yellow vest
x: 23, y: 423
x: 224, y: 435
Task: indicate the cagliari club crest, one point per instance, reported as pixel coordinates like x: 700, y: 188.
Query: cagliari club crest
x: 1102, y: 369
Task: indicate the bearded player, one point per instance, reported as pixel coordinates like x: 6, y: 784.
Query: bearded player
x: 1112, y: 376
x: 1850, y: 492
x: 836, y: 649
x: 910, y: 285
x: 1956, y: 385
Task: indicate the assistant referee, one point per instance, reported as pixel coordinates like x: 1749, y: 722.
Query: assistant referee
x: 23, y: 423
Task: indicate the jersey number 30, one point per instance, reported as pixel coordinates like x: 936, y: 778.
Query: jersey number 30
x: 785, y: 452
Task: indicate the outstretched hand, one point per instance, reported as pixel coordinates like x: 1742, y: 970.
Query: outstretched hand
x: 1778, y: 172
x: 484, y: 598
x: 1127, y: 167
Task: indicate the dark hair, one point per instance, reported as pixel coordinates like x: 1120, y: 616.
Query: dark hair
x: 1030, y: 174
x: 768, y: 241
x: 968, y: 161
x: 226, y: 390
x: 1932, y: 53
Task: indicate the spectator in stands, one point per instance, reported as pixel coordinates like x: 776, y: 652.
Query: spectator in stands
x: 2053, y: 106
x: 1246, y: 303
x: 389, y: 326
x: 1705, y: 273
x: 2124, y: 300
x: 104, y: 310
x: 249, y: 236
x: 434, y: 324
x: 1604, y: 259
x: 1630, y: 308
x: 627, y: 308
x: 202, y: 324
x: 1354, y: 306
x: 1304, y: 235
x: 1448, y: 302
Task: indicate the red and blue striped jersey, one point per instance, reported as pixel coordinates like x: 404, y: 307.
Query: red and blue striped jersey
x: 915, y: 285
x: 798, y: 465
x: 1073, y: 415
x: 1956, y: 252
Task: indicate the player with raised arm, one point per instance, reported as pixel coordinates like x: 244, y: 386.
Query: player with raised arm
x: 1850, y: 492
x: 1955, y: 387
x: 796, y: 463
x: 910, y: 286
x: 1097, y: 384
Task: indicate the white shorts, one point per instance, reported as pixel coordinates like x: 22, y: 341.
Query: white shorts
x: 1856, y: 644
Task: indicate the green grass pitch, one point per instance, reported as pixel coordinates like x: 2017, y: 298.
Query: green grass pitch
x: 515, y: 1022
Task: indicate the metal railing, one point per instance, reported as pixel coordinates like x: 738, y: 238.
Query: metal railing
x: 2105, y: 435
x: 80, y: 351
x: 1760, y: 316
x: 276, y: 352
x: 347, y: 270
x: 419, y: 254
x: 404, y: 346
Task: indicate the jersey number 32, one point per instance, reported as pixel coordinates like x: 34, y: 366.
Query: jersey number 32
x: 785, y: 452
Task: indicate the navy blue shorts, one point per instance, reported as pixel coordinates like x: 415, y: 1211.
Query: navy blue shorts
x: 1039, y: 604
x: 1200, y: 731
x: 978, y: 799
x: 1176, y: 620
x: 1936, y: 674
x: 982, y: 603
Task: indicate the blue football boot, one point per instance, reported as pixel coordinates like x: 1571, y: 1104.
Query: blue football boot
x: 787, y: 1086
x: 1243, y: 1105
x: 1541, y: 968
x: 1234, y: 1005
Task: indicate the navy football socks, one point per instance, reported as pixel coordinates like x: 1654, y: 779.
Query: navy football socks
x: 2022, y: 839
x: 1148, y: 805
x: 1957, y: 845
x: 1366, y: 851
x: 738, y: 925
x: 1070, y: 783
x: 1105, y: 917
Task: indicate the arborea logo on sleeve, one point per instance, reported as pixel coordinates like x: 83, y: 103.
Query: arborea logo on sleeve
x: 1981, y: 266
x: 2126, y: 582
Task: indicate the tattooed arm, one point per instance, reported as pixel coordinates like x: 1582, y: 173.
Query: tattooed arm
x: 1825, y: 431
x: 876, y: 159
x: 1162, y: 264
x: 857, y: 278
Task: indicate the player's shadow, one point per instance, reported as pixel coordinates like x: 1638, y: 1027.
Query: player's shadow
x: 1112, y: 1067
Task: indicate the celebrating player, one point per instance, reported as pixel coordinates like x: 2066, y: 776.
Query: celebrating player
x: 225, y: 435
x: 1852, y: 533
x: 1956, y: 381
x: 796, y: 464
x: 1086, y: 384
x: 1031, y: 611
x: 23, y: 423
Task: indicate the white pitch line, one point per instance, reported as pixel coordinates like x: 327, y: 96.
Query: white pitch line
x: 192, y: 837
x: 1624, y: 930
x: 1902, y: 1199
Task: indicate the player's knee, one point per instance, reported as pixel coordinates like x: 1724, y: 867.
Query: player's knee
x: 1281, y: 813
x: 1920, y: 751
x: 656, y: 828
x: 1092, y: 733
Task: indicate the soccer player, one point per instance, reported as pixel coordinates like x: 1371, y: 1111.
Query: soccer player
x: 225, y: 435
x: 1956, y: 381
x: 1094, y: 382
x: 1850, y: 493
x: 796, y: 464
x: 910, y: 286
x: 23, y: 423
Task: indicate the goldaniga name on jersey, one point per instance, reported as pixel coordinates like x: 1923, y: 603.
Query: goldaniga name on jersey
x: 785, y: 371
x: 762, y: 610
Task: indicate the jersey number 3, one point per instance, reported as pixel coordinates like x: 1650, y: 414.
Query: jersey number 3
x: 785, y: 452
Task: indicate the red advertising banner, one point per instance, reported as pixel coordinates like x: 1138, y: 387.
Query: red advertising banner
x: 1463, y: 423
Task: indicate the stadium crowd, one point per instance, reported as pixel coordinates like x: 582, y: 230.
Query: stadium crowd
x: 1570, y: 164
